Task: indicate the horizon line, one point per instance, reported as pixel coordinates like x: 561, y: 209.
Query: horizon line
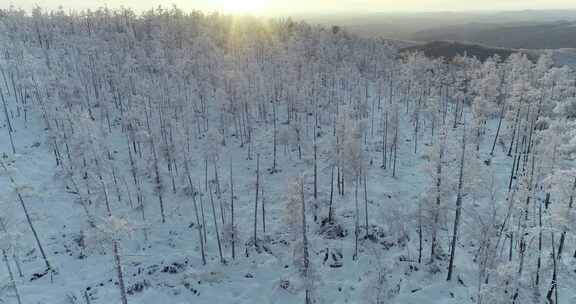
x: 294, y: 13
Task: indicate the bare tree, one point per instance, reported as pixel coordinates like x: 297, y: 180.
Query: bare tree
x: 11, y: 276
x: 199, y: 225
x: 233, y: 227
x: 28, y: 219
x: 256, y: 200
x: 8, y: 123
x: 458, y: 208
x: 222, y: 260
x: 305, y: 243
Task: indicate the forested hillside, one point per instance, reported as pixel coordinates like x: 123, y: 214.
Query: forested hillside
x: 523, y: 35
x: 174, y: 157
x: 451, y: 49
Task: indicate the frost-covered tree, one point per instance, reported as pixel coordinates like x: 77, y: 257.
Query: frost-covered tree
x: 138, y: 107
x: 110, y: 232
x: 18, y: 190
x: 9, y: 242
x: 562, y: 186
x: 297, y: 226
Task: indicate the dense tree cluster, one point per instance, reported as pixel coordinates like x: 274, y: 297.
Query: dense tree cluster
x: 143, y: 110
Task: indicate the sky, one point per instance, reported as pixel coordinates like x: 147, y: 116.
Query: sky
x: 287, y: 7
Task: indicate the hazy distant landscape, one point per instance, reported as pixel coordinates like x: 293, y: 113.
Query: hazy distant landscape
x: 416, y: 26
x: 480, y: 33
x: 549, y: 35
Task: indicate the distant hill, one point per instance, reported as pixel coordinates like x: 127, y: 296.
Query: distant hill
x: 480, y: 34
x: 450, y: 49
x: 524, y: 35
x: 407, y: 26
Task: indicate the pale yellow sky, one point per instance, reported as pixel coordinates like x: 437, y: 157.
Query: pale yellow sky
x: 286, y: 7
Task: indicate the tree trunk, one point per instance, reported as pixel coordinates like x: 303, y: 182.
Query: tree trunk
x: 315, y: 168
x: 256, y: 200
x: 366, y: 205
x: 219, y: 195
x: 263, y: 204
x: 14, y: 256
x: 233, y: 232
x: 158, y: 182
x: 385, y: 141
x: 539, y: 261
x: 420, y: 233
x: 119, y: 273
x: 331, y: 196
x: 397, y: 123
x: 204, y: 232
x: 8, y: 123
x: 305, y: 244
x: 29, y: 220
x: 456, y: 111
x: 552, y: 295
x: 216, y: 225
x: 200, y: 227
x: 514, y: 131
x: 498, y: 129
x: 275, y: 139
x: 417, y: 124
x: 458, y: 208
x: 11, y: 276
x: 436, y: 223
x: 115, y: 251
x: 563, y: 236
x: 356, y: 220
x: 206, y: 175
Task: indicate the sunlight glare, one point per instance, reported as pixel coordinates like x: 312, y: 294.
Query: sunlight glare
x: 244, y: 6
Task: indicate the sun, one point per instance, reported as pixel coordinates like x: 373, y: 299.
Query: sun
x: 244, y: 6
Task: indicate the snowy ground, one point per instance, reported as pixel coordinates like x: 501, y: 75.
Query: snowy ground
x: 168, y: 268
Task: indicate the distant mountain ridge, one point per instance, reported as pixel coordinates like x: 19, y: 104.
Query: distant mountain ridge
x: 451, y: 49
x: 479, y: 34
x: 524, y: 35
x: 405, y: 26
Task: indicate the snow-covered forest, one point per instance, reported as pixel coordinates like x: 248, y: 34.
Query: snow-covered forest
x: 175, y: 157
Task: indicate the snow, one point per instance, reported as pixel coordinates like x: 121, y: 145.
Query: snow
x: 58, y: 219
x: 167, y: 264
